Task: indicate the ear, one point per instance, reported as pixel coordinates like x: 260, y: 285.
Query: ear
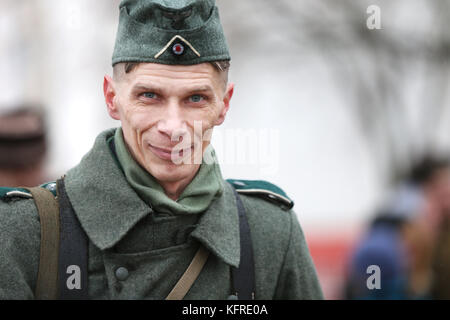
x: 226, y: 103
x: 109, y: 92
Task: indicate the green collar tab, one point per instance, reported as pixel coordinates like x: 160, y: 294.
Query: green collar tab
x: 263, y: 189
x: 175, y: 32
x: 6, y: 192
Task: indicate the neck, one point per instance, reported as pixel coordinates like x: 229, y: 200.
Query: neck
x: 190, y: 192
x: 173, y: 189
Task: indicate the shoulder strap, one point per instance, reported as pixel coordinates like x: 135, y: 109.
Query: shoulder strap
x: 46, y: 286
x: 243, y: 277
x: 63, y: 261
x: 190, y: 275
x: 73, y: 251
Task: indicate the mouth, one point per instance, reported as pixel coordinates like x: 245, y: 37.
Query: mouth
x: 166, y: 154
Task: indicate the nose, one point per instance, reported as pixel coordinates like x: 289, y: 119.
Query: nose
x: 173, y: 123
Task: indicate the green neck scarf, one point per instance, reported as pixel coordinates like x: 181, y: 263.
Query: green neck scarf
x: 195, y: 198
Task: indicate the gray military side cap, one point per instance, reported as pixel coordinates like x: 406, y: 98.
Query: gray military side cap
x: 171, y: 32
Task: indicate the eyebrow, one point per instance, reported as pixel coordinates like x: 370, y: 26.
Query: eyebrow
x: 201, y: 89
x: 191, y: 90
x: 147, y: 88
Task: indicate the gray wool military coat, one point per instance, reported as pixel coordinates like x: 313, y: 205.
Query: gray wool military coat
x: 154, y: 248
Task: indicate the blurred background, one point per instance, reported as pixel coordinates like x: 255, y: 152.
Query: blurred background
x: 350, y: 114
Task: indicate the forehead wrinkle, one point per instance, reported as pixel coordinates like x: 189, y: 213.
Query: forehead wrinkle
x: 161, y: 84
x: 168, y: 77
x: 162, y: 76
x: 189, y: 88
x: 176, y: 72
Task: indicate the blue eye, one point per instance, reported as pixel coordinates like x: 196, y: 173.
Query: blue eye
x: 196, y: 98
x: 149, y: 95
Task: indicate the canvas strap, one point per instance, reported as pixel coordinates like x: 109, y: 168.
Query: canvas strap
x: 48, y: 208
x: 243, y: 277
x: 190, y: 275
x: 64, y: 248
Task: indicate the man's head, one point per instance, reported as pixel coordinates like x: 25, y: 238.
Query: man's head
x: 23, y: 148
x: 433, y: 174
x: 163, y: 108
x: 170, y: 83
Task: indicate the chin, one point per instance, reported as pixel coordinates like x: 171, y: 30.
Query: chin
x: 169, y: 175
x: 169, y: 172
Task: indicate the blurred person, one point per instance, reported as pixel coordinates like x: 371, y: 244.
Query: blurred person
x: 427, y: 235
x: 436, y: 223
x: 402, y: 239
x: 384, y: 246
x: 22, y: 148
x: 140, y: 216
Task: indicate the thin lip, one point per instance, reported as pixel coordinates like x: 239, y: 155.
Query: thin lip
x: 161, y: 149
x: 165, y: 154
x: 161, y: 153
x: 167, y: 150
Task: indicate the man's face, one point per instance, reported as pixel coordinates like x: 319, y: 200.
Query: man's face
x: 159, y: 106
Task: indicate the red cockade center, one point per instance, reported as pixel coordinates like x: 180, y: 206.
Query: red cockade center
x: 178, y: 48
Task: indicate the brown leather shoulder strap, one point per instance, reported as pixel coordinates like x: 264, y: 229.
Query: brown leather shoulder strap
x: 47, y: 280
x: 190, y: 275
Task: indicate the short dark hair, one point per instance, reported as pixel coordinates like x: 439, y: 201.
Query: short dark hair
x: 23, y: 141
x: 219, y: 65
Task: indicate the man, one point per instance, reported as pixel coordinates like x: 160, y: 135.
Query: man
x: 384, y: 246
x: 149, y: 196
x: 437, y: 226
x: 409, y: 239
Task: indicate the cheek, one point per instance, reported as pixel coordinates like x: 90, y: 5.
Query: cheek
x: 204, y: 119
x: 137, y: 118
x: 203, y: 129
x: 210, y: 114
x: 136, y: 124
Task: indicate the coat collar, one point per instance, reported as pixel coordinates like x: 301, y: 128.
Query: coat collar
x: 108, y: 208
x: 218, y: 229
x: 104, y: 202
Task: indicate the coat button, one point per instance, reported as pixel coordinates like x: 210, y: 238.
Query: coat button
x: 122, y: 273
